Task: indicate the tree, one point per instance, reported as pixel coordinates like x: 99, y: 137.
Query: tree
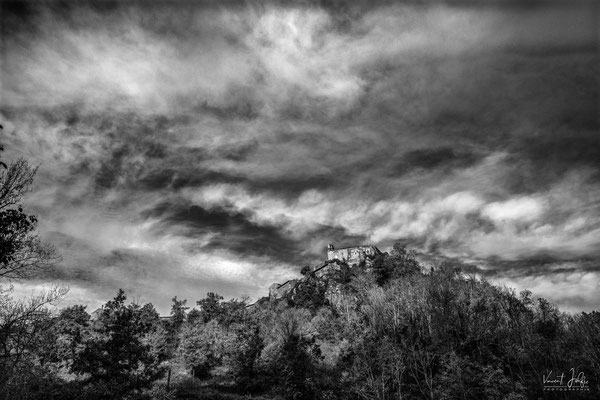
x: 172, y: 327
x: 114, y: 355
x: 178, y: 309
x: 343, y: 275
x: 297, y: 356
x: 342, y: 278
x: 210, y: 306
x: 22, y: 254
x: 21, y: 321
x: 310, y: 294
x: 65, y: 335
x: 400, y: 263
x: 305, y: 270
x: 204, y: 346
x: 233, y: 312
x: 403, y: 261
x: 246, y: 351
x: 585, y: 336
x: 194, y: 315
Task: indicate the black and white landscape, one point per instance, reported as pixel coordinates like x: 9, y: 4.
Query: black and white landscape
x: 203, y: 150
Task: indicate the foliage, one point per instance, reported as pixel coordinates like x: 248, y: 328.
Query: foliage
x: 193, y: 316
x: 443, y: 335
x: 113, y: 356
x: 305, y: 270
x: 24, y: 324
x: 210, y: 306
x: 232, y: 312
x: 172, y: 327
x: 61, y: 341
x: 22, y: 254
x: 310, y: 294
x: 15, y: 227
x: 400, y: 263
x: 178, y: 309
x: 245, y: 352
x: 296, y: 359
x: 203, y: 347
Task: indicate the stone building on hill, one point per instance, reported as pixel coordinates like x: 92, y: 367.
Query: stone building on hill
x: 356, y: 256
x: 352, y: 255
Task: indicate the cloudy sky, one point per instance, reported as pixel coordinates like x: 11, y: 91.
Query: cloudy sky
x: 192, y: 147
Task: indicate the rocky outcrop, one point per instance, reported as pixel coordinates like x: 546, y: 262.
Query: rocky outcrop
x: 281, y: 290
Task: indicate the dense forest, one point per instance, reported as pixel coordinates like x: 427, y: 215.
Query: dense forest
x: 393, y: 331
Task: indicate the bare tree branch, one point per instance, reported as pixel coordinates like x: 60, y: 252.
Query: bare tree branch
x: 15, y: 182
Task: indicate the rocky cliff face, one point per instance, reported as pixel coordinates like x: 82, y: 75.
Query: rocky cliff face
x: 279, y: 291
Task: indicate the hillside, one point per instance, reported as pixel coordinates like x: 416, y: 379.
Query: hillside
x: 378, y: 328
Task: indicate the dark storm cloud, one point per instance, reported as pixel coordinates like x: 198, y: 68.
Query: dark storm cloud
x: 293, y: 186
x: 535, y: 266
x: 540, y: 265
x: 235, y: 231
x: 233, y: 141
x: 445, y: 158
x: 578, y: 149
x: 177, y: 178
x: 240, y: 110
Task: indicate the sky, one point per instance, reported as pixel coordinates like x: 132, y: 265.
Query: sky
x: 193, y: 147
